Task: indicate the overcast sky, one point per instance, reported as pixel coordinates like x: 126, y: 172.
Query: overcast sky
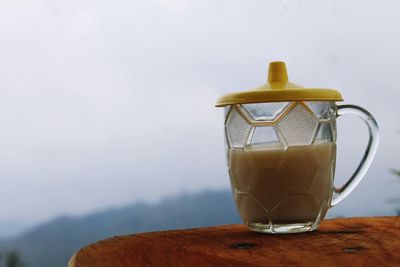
x: 103, y: 103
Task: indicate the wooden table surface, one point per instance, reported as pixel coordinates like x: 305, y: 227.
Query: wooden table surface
x: 339, y: 242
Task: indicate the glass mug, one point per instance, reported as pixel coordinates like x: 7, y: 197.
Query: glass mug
x: 281, y: 158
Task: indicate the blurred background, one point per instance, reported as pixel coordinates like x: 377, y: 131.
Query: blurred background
x: 107, y: 118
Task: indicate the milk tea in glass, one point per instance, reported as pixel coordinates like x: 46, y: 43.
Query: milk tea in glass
x: 281, y: 150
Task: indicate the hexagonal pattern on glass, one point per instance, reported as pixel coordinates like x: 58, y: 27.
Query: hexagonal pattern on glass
x: 236, y: 128
x: 264, y: 135
x: 226, y: 110
x: 324, y: 134
x: 265, y: 111
x: 298, y: 168
x: 240, y: 169
x: 324, y: 153
x: 321, y: 214
x: 323, y: 109
x: 263, y: 158
x: 332, y: 122
x: 227, y: 148
x: 250, y: 210
x: 322, y: 186
x: 295, y: 209
x: 233, y: 188
x: 298, y: 126
x: 266, y: 186
x: 281, y: 164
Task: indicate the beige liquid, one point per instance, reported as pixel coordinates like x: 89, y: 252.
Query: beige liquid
x: 283, y: 186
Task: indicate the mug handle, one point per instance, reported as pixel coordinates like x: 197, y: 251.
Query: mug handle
x: 340, y: 193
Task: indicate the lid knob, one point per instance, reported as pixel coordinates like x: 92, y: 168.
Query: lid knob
x: 277, y: 73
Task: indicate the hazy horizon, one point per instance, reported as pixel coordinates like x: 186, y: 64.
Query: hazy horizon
x: 105, y: 104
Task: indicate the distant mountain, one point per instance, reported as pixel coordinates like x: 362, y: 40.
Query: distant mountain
x: 53, y: 243
x: 10, y: 229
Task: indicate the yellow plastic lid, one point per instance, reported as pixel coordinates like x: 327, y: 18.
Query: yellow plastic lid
x: 279, y: 89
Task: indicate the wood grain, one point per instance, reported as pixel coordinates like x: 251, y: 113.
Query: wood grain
x: 340, y: 242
